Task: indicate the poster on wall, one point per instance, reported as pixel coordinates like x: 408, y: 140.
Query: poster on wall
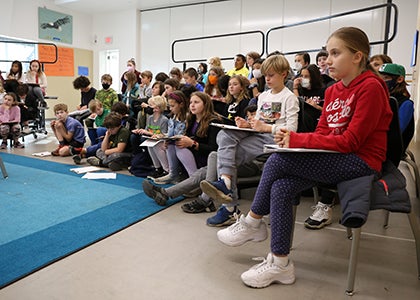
x: 65, y: 62
x: 55, y: 26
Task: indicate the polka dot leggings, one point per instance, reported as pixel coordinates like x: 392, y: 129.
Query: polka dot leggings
x: 285, y: 175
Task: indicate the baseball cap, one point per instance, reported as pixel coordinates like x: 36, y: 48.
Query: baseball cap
x: 392, y: 69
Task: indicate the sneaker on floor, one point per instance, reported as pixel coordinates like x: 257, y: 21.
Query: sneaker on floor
x: 3, y: 145
x: 168, y: 178
x: 77, y: 159
x: 115, y: 166
x: 157, y: 173
x: 75, y: 150
x: 94, y: 161
x: 217, y: 190
x: 193, y: 193
x: 321, y: 216
x: 56, y: 152
x: 155, y: 192
x: 266, y: 273
x: 223, y: 217
x: 26, y: 130
x: 240, y: 233
x: 18, y: 145
x: 198, y: 206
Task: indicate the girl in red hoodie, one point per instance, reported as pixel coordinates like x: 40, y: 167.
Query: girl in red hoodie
x: 354, y: 123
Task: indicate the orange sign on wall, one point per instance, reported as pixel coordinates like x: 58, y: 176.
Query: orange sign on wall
x: 64, y: 66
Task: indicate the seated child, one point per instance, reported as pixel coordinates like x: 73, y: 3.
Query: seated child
x: 115, y: 152
x: 98, y: 114
x: 68, y: 131
x: 28, y: 106
x: 156, y: 126
x: 10, y: 120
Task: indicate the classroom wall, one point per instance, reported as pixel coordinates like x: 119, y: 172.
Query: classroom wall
x: 20, y: 20
x: 160, y: 28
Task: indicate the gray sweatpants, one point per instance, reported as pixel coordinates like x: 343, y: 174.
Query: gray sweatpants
x: 238, y: 148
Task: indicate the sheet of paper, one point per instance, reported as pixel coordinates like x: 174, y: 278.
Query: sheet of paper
x: 276, y: 148
x: 225, y: 126
x: 42, y: 154
x: 85, y: 169
x: 100, y: 175
x: 150, y: 143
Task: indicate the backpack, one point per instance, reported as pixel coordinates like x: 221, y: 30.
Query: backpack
x: 141, y: 163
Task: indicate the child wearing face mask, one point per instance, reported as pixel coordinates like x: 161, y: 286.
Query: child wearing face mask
x: 309, y: 85
x: 107, y: 95
x: 394, y: 76
x: 257, y: 81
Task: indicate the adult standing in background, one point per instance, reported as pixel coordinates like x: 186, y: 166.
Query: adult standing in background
x: 131, y: 67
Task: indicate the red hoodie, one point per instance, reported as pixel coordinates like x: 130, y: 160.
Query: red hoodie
x: 355, y: 119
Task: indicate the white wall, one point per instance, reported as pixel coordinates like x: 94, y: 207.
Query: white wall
x: 148, y: 36
x: 160, y: 28
x: 19, y: 18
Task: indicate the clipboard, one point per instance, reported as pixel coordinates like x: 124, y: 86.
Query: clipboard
x: 231, y: 127
x: 270, y: 148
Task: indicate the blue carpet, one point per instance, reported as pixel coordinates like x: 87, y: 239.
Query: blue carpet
x: 48, y: 212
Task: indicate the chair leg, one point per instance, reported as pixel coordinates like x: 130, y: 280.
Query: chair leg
x: 351, y: 275
x: 293, y: 226
x: 413, y: 164
x: 316, y: 194
x: 386, y: 219
x: 3, y: 169
x: 412, y: 218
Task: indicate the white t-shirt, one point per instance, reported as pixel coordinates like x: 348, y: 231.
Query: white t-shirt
x: 280, y: 110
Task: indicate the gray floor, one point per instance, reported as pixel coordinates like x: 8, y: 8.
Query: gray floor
x: 173, y: 255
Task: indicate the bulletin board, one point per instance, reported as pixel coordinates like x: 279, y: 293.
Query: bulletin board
x: 61, y: 85
x: 64, y: 66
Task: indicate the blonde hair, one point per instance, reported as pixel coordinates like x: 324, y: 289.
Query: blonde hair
x: 94, y: 104
x: 158, y: 101
x: 215, y: 61
x: 278, y: 63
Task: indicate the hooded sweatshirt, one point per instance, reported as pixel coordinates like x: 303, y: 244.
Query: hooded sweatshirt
x: 354, y: 119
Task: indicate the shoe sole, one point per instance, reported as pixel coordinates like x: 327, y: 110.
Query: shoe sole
x: 226, y: 223
x: 265, y: 284
x: 214, y: 193
x: 320, y: 226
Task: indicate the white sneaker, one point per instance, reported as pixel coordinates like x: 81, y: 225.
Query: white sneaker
x: 26, y: 130
x: 321, y: 216
x: 164, y: 179
x: 239, y: 233
x: 266, y: 273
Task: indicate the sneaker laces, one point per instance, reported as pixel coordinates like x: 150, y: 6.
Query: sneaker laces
x: 266, y: 263
x: 319, y: 210
x: 239, y: 225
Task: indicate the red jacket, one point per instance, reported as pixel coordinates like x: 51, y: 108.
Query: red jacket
x: 355, y: 119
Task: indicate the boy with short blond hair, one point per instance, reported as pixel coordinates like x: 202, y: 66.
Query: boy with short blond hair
x: 68, y: 131
x: 277, y: 108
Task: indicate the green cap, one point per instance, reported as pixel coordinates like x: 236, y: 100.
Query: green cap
x: 392, y: 69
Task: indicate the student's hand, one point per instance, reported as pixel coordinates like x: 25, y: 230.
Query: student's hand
x: 52, y: 123
x: 253, y: 80
x: 82, y: 107
x: 93, y: 116
x: 282, y: 138
x: 259, y: 125
x: 59, y: 125
x: 297, y: 82
x: 144, y: 105
x: 242, y: 123
x: 184, y: 142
